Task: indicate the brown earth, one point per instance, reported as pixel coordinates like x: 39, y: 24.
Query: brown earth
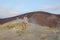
x: 38, y: 17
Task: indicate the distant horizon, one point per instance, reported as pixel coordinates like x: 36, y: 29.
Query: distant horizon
x: 28, y: 12
x: 9, y: 8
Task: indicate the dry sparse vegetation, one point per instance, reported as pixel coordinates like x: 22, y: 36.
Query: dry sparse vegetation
x: 33, y: 30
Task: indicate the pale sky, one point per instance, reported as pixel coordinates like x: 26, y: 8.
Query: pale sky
x: 9, y: 8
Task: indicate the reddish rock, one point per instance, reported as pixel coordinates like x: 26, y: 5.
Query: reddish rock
x: 38, y: 17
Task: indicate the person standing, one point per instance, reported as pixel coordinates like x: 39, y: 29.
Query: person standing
x: 24, y: 22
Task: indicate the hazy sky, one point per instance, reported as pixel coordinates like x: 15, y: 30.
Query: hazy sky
x: 10, y: 8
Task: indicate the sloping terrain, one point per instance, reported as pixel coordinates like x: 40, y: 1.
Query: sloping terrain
x: 38, y: 27
x: 38, y: 17
x: 32, y: 32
